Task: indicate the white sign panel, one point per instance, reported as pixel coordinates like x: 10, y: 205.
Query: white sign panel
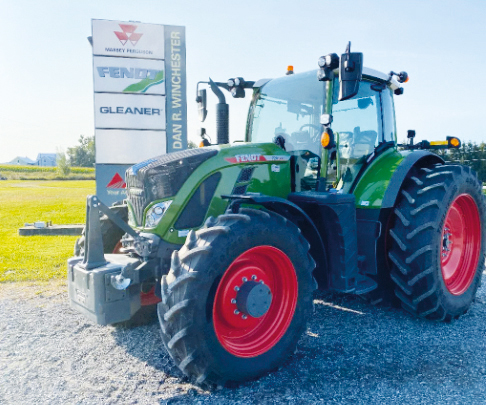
x: 128, y: 147
x: 123, y: 75
x: 130, y: 40
x: 129, y: 111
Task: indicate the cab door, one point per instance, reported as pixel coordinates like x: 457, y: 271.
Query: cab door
x: 360, y: 125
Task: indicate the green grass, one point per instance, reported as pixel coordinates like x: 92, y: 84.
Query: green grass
x: 25, y: 258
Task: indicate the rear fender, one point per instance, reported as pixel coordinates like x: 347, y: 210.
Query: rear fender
x: 418, y: 158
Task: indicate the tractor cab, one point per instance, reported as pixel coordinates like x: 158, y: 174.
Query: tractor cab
x: 288, y: 111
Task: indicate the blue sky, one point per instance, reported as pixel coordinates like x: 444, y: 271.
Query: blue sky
x: 46, y: 63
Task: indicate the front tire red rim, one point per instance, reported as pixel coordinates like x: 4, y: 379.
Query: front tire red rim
x: 241, y: 334
x: 461, y: 244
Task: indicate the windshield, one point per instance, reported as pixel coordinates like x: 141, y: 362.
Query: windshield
x: 290, y: 108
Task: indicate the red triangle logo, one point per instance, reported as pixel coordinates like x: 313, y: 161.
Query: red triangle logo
x: 116, y: 182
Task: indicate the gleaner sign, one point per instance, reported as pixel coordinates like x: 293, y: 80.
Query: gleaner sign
x: 128, y: 110
x: 139, y: 77
x: 132, y: 111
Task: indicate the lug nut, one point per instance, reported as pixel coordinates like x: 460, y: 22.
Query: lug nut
x: 244, y: 279
x: 261, y: 282
x: 233, y: 301
x: 237, y: 288
x: 253, y: 277
x: 236, y: 312
x: 243, y: 316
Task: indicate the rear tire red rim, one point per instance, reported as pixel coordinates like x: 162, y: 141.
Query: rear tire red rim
x: 461, y: 244
x: 252, y: 337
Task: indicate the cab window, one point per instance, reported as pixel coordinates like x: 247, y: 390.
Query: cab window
x: 358, y: 126
x: 389, y: 128
x: 357, y: 121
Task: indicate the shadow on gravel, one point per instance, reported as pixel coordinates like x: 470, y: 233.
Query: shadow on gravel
x: 141, y: 339
x: 350, y: 350
x: 351, y: 342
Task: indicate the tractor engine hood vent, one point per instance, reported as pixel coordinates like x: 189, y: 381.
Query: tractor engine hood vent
x: 161, y: 177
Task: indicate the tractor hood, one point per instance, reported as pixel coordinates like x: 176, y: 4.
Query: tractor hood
x: 162, y: 177
x: 189, y: 186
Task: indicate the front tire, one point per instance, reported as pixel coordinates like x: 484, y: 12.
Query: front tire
x: 438, y: 241
x: 219, y: 323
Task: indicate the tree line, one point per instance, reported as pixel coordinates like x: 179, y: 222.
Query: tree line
x: 81, y: 155
x: 470, y: 154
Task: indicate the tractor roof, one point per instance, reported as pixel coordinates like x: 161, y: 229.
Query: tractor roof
x: 370, y: 73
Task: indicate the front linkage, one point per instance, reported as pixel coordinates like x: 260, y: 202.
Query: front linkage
x: 106, y: 287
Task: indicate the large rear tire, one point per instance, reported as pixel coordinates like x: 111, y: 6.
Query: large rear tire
x: 237, y: 297
x: 438, y: 241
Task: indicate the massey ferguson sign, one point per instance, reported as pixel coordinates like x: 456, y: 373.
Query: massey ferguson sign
x: 130, y: 40
x: 139, y: 80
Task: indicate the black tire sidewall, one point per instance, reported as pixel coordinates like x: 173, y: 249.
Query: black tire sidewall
x: 243, y: 237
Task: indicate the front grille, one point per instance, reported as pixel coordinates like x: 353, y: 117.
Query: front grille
x: 243, y: 180
x: 161, y: 177
x: 245, y: 174
x: 239, y: 190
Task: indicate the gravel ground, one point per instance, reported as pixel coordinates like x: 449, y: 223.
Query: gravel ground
x: 352, y: 352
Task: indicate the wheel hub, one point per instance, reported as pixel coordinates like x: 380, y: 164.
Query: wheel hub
x: 446, y: 242
x: 254, y: 299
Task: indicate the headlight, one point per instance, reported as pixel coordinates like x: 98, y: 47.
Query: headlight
x: 155, y: 214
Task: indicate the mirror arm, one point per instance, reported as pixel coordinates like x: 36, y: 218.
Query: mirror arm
x: 214, y: 87
x: 198, y: 99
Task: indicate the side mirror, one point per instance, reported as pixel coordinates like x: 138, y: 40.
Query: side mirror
x: 202, y: 104
x: 350, y: 73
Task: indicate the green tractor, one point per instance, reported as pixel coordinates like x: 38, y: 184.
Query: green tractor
x: 231, y: 241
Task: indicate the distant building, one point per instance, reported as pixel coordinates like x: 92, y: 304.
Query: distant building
x: 46, y: 159
x: 21, y: 161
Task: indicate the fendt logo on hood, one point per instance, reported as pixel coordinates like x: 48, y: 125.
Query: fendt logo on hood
x: 128, y: 34
x: 256, y: 157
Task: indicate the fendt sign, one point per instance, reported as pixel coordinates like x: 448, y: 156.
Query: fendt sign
x: 129, y: 75
x: 139, y: 80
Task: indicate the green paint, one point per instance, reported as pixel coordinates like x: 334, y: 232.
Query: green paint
x: 264, y: 180
x: 145, y: 84
x: 373, y: 183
